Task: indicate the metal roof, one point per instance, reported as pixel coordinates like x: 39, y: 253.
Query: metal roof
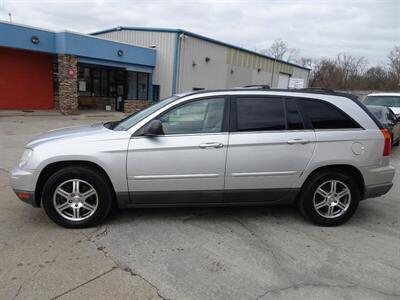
x: 192, y: 34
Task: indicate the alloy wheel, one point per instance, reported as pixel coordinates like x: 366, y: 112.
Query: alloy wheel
x: 75, y: 200
x: 332, y: 199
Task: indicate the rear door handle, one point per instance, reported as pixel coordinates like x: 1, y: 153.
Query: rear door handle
x: 210, y: 145
x: 298, y: 141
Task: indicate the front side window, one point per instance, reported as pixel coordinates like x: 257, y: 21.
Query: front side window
x: 260, y: 114
x: 325, y: 116
x: 139, y: 115
x: 202, y: 116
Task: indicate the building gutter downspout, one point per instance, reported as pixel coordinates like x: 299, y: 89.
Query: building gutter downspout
x: 176, y: 62
x: 273, y: 70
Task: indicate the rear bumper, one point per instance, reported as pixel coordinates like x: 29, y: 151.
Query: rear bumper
x: 377, y: 190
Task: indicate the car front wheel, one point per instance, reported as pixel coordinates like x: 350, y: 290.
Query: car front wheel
x: 77, y: 197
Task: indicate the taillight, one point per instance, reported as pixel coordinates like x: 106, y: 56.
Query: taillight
x: 388, y: 143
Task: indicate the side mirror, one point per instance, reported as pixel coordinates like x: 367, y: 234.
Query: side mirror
x: 154, y: 128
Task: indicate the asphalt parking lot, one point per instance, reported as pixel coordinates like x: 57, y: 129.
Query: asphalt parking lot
x: 196, y: 253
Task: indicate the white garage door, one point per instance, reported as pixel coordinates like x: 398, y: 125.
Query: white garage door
x: 283, y: 81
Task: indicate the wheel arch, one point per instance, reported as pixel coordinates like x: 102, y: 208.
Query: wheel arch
x: 55, y: 166
x: 346, y: 168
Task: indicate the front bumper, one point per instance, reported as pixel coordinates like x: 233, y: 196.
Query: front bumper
x: 23, y: 183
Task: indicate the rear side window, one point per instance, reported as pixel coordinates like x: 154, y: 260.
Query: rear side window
x: 325, y: 116
x: 260, y: 114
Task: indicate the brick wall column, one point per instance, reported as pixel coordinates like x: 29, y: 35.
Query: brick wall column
x: 68, y: 90
x: 135, y: 105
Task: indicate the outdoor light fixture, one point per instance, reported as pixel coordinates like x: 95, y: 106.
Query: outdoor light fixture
x: 259, y: 70
x: 34, y: 39
x: 232, y: 71
x: 193, y: 64
x: 120, y: 52
x: 207, y: 59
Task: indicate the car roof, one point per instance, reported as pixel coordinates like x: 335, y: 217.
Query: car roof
x: 313, y: 91
x: 377, y: 107
x: 384, y: 94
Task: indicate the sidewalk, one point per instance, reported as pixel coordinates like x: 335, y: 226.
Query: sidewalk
x: 53, y: 112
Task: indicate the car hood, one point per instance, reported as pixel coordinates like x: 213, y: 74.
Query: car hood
x: 396, y: 110
x: 69, y: 132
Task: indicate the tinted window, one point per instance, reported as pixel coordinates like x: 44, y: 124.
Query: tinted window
x: 293, y: 116
x: 256, y: 114
x: 379, y: 112
x: 325, y: 116
x: 203, y: 116
x: 383, y: 100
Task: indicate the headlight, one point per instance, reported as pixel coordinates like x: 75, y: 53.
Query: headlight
x: 25, y: 157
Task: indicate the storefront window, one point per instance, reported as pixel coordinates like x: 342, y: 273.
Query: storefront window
x: 132, y: 85
x: 96, y: 82
x: 84, y: 81
x: 103, y: 82
x: 142, y: 86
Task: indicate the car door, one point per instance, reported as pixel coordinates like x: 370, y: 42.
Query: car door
x: 187, y: 163
x: 269, y: 148
x: 395, y: 124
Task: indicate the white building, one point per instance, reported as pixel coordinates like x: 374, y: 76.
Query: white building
x: 186, y: 61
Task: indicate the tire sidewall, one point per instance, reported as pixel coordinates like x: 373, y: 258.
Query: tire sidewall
x: 306, y: 199
x: 89, y: 175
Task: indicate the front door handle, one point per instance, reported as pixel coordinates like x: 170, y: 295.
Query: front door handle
x: 210, y: 145
x: 298, y: 141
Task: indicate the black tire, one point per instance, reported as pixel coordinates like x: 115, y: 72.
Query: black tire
x: 100, y: 184
x: 306, y: 200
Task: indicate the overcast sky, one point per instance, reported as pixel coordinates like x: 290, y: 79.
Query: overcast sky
x: 320, y: 28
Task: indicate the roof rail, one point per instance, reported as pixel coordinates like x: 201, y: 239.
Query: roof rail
x: 266, y: 88
x: 255, y: 86
x: 317, y: 89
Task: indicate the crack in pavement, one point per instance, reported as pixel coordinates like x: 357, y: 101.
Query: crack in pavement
x: 281, y: 268
x: 323, y: 285
x: 129, y: 270
x: 92, y: 238
x: 19, y: 290
x: 84, y: 283
x: 4, y: 170
x: 298, y: 286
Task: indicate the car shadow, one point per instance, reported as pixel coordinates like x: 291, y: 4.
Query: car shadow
x: 274, y: 213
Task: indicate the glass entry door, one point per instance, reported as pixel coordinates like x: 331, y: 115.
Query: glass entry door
x: 117, y: 80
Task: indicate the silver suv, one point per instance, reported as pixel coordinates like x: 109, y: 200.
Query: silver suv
x: 322, y: 150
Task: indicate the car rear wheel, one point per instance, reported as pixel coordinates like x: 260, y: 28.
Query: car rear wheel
x: 77, y: 197
x: 329, y: 198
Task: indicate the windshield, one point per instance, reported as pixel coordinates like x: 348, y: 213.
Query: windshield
x: 132, y: 119
x: 393, y: 101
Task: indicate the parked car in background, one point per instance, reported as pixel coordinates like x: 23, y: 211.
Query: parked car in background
x: 389, y: 120
x: 323, y: 151
x: 391, y: 100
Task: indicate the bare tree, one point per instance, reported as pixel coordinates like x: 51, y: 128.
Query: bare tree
x: 306, y: 62
x: 280, y: 50
x: 343, y: 72
x: 394, y: 64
